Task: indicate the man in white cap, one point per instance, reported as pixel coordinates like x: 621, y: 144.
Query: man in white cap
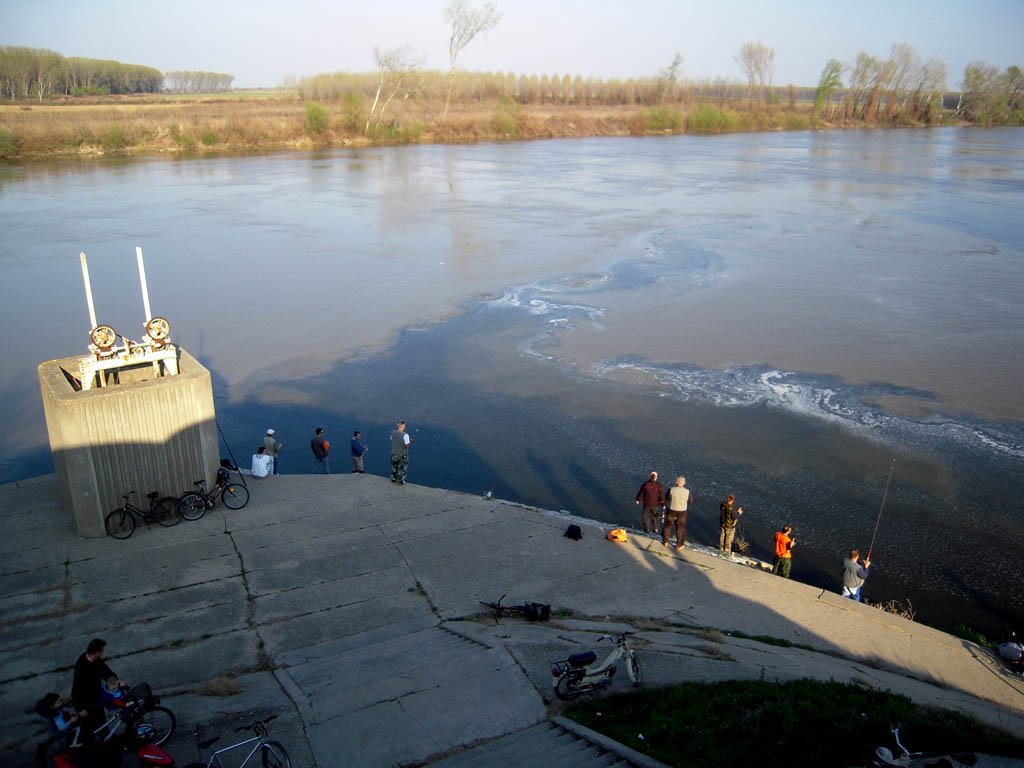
x: 273, y: 447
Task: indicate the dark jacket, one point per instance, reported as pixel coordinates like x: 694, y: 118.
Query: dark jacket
x: 319, y: 446
x: 651, y: 494
x: 728, y: 517
x: 86, y: 684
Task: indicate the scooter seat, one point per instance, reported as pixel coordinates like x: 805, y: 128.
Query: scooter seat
x: 582, y: 659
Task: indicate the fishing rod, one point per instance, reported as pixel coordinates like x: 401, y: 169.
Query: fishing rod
x: 879, y: 519
x: 230, y: 452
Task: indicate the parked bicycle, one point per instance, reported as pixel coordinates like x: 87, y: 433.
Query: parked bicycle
x: 580, y: 673
x: 121, y: 523
x: 193, y: 505
x: 272, y: 753
x: 884, y: 757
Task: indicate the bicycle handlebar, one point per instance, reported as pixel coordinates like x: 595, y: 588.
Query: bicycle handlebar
x: 256, y: 724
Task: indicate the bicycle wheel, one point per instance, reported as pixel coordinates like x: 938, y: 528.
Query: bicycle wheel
x: 635, y: 673
x: 167, y: 511
x: 120, y: 523
x: 163, y: 722
x: 275, y: 755
x: 235, y: 496
x: 192, y: 506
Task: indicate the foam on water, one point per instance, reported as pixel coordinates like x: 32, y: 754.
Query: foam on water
x: 807, y: 395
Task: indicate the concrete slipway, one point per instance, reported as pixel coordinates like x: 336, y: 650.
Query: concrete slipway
x: 349, y: 607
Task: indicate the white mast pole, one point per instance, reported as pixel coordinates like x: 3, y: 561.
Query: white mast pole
x: 142, y: 279
x: 88, y: 290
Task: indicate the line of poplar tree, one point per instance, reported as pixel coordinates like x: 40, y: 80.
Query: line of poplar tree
x: 39, y: 73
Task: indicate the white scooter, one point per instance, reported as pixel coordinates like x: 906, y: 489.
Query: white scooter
x: 580, y: 673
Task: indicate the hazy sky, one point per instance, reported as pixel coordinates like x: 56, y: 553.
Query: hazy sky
x: 263, y: 42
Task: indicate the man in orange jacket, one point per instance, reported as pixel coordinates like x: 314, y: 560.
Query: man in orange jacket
x: 783, y: 552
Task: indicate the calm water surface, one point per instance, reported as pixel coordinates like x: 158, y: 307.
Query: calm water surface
x: 778, y: 316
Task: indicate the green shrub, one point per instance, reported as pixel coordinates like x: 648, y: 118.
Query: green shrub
x: 209, y: 137
x: 706, y: 120
x: 506, y: 119
x: 968, y: 633
x: 115, y: 138
x: 318, y: 119
x: 662, y: 119
x: 8, y: 146
x: 353, y: 112
x: 797, y: 122
x: 186, y: 140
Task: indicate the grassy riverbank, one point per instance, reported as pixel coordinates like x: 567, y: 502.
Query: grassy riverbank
x: 801, y: 723
x: 280, y: 120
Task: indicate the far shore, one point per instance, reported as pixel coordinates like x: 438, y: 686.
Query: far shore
x: 276, y: 121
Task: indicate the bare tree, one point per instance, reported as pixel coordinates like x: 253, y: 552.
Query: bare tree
x: 466, y: 22
x: 397, y: 70
x: 668, y: 79
x: 758, y: 62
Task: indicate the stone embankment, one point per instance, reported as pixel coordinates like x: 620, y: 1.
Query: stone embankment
x: 349, y: 607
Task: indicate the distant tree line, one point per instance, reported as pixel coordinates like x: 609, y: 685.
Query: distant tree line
x: 40, y: 73
x: 189, y: 81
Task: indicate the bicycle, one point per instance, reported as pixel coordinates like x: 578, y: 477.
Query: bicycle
x: 121, y: 523
x: 142, y: 707
x: 193, y: 505
x: 272, y: 753
x: 579, y: 673
x: 529, y: 611
x: 884, y: 757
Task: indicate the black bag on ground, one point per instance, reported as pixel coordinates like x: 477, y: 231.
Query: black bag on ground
x: 574, y: 532
x: 536, y: 611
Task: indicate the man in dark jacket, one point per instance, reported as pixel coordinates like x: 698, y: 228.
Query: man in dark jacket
x: 652, y: 497
x: 90, y: 672
x: 321, y: 448
x: 730, y: 515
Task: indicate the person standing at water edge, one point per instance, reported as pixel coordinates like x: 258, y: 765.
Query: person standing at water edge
x: 320, y: 448
x: 730, y: 515
x: 783, y: 552
x: 273, y: 447
x: 262, y: 464
x: 358, y: 449
x: 400, y: 442
x: 652, y: 497
x: 675, y: 515
x: 854, y: 575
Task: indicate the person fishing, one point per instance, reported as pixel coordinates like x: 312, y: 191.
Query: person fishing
x: 652, y: 497
x: 854, y: 575
x: 728, y: 518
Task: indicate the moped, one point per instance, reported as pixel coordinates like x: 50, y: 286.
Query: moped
x: 580, y: 673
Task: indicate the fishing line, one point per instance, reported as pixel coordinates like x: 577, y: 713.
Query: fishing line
x: 877, y: 521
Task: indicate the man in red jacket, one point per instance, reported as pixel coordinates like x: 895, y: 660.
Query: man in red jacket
x: 652, y: 496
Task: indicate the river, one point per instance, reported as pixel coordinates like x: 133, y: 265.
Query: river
x: 774, y: 315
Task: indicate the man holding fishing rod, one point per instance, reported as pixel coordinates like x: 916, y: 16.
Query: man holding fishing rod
x: 854, y: 575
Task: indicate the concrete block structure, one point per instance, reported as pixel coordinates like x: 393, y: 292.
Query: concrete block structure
x: 145, y: 433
